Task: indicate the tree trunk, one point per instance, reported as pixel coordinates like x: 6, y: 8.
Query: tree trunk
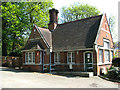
x: 4, y: 48
x: 4, y: 43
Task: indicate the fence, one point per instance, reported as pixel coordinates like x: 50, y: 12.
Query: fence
x: 10, y: 61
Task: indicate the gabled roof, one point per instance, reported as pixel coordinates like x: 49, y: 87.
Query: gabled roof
x: 47, y: 35
x: 33, y: 44
x: 42, y: 42
x: 79, y: 34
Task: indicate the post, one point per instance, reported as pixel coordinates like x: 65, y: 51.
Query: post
x: 43, y: 61
x: 50, y: 62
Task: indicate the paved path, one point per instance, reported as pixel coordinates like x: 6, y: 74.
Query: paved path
x: 19, y: 79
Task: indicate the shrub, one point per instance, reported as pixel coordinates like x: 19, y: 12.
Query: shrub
x: 114, y: 73
x: 116, y: 61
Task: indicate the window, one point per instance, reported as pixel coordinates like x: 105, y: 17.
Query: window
x: 112, y: 55
x: 106, y: 44
x: 100, y: 55
x: 34, y: 30
x: 30, y: 57
x: 40, y: 57
x: 71, y: 57
x: 57, y: 58
x: 107, y: 56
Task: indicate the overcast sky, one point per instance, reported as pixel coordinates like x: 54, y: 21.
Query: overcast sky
x: 110, y: 7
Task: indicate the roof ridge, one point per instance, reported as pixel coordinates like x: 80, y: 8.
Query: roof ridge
x: 80, y: 19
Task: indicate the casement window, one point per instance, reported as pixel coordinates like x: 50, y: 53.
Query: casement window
x: 30, y: 57
x: 107, y: 56
x: 106, y: 45
x: 40, y: 57
x: 100, y: 55
x: 70, y: 57
x: 56, y: 58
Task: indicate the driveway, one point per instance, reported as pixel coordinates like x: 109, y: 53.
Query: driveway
x: 20, y: 79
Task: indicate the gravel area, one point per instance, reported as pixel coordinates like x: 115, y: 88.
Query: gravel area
x: 21, y: 79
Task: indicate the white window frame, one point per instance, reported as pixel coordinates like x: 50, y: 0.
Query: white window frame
x: 40, y: 57
x: 112, y: 54
x: 33, y: 58
x: 100, y: 61
x: 71, y: 61
x: 108, y: 42
x: 57, y: 59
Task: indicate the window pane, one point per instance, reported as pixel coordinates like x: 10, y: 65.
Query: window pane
x: 106, y: 44
x: 69, y: 55
x: 57, y: 57
x: 30, y: 57
x: 107, y: 55
x: 73, y: 57
x: 69, y: 60
x: 33, y: 57
x: 111, y: 55
x: 40, y: 57
x: 100, y: 55
x: 26, y: 57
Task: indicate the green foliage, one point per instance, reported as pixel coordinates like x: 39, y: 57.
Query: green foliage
x: 113, y: 73
x: 116, y: 62
x: 112, y: 24
x: 77, y: 11
x: 18, y: 19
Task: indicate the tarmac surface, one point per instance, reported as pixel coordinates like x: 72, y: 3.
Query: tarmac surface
x: 10, y: 78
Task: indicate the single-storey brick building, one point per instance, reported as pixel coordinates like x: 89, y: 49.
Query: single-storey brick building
x: 81, y: 45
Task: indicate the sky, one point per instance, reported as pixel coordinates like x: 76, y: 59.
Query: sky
x: 110, y: 7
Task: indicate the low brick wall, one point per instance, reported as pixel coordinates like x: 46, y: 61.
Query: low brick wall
x: 10, y: 61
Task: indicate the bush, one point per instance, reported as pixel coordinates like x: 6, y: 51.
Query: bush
x: 116, y: 61
x: 113, y: 73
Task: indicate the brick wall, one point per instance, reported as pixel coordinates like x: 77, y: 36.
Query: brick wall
x: 34, y: 35
x: 33, y: 67
x: 11, y: 61
x: 103, y: 34
x: 37, y: 67
x: 79, y: 61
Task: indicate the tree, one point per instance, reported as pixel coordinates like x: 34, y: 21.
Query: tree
x: 77, y: 11
x: 112, y: 27
x: 18, y: 19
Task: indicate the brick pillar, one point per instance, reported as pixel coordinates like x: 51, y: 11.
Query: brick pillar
x: 103, y: 55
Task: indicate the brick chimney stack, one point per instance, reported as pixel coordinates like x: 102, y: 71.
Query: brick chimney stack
x: 53, y: 19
